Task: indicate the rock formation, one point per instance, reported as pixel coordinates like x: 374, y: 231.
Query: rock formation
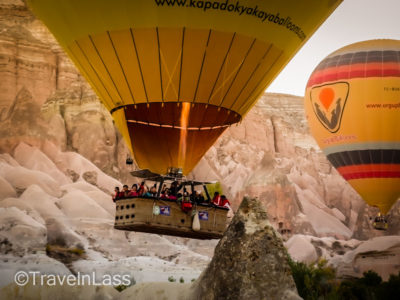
x: 70, y: 147
x: 44, y: 98
x: 250, y: 261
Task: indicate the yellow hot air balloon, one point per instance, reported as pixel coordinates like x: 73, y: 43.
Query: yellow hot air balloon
x: 176, y: 73
x: 352, y: 104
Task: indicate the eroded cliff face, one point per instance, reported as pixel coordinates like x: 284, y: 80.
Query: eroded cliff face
x: 269, y: 155
x: 44, y: 97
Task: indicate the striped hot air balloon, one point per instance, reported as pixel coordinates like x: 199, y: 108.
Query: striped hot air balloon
x: 352, y: 104
x: 176, y: 73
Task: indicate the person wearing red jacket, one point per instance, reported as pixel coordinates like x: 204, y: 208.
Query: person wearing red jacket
x: 115, y: 196
x: 225, y: 202
x: 217, y: 199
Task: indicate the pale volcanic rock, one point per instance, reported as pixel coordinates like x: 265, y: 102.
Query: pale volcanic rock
x: 58, y: 291
x: 23, y: 206
x: 6, y: 189
x: 8, y: 159
x: 41, y: 201
x: 59, y: 232
x: 77, y: 206
x: 19, y: 233
x: 66, y: 161
x: 323, y: 222
x: 38, y: 262
x: 21, y: 178
x: 301, y: 249
x: 34, y: 159
x: 381, y: 253
x: 151, y: 290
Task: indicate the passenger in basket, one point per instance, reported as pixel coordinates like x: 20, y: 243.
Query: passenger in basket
x: 146, y: 192
x: 198, y: 197
x: 164, y: 188
x: 165, y: 194
x: 175, y: 188
x: 153, y: 191
x: 141, y: 189
x: 217, y: 199
x: 134, y: 191
x: 186, y: 205
x: 115, y: 197
x: 125, y: 191
x: 225, y: 202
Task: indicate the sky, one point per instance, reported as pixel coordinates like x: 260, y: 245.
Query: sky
x: 352, y: 21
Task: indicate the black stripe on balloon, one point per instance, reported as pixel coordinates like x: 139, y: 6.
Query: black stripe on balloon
x: 248, y: 103
x: 87, y: 73
x: 359, y: 57
x: 159, y: 63
x: 201, y: 67
x: 181, y: 66
x: 251, y: 75
x: 107, y: 70
x: 222, y: 66
x: 120, y: 65
x: 238, y: 71
x: 139, y: 65
x: 360, y: 157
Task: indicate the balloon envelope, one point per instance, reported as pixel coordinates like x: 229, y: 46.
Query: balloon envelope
x: 145, y: 59
x: 352, y: 105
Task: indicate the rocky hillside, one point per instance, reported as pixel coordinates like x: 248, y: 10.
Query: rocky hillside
x: 53, y: 204
x: 270, y: 155
x: 58, y: 143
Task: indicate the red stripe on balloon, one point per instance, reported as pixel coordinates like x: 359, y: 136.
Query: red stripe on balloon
x: 352, y: 71
x: 377, y: 174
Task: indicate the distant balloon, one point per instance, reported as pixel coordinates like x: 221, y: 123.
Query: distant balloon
x: 352, y: 104
x: 176, y: 74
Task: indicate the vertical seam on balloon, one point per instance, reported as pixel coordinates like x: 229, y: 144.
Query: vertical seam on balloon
x: 261, y: 79
x: 170, y: 75
x: 94, y: 70
x: 238, y: 71
x: 159, y: 63
x: 180, y: 71
x: 202, y: 65
x: 122, y: 69
x: 251, y: 75
x: 87, y: 74
x: 222, y: 66
x: 140, y: 66
x: 108, y: 72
